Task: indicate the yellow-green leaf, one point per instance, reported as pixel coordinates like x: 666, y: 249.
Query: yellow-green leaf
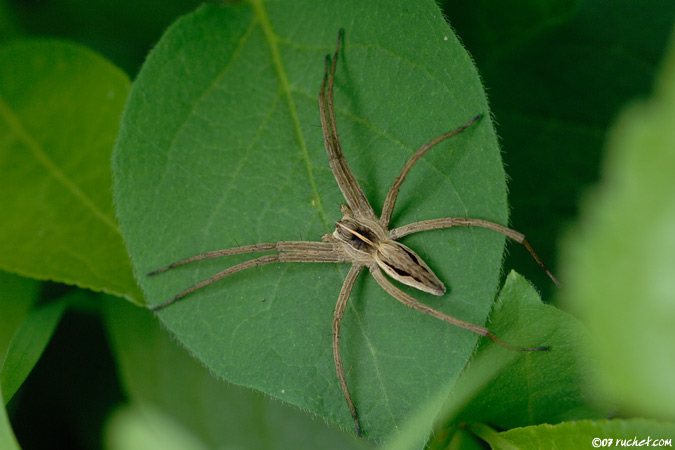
x: 59, y: 112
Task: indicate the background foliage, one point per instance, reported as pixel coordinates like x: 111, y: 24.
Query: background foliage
x: 558, y: 74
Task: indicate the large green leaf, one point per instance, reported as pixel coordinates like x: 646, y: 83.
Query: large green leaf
x: 59, y: 111
x: 221, y: 145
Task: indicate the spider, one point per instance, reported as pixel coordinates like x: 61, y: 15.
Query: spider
x: 363, y: 240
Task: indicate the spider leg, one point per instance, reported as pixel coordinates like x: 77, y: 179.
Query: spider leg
x: 289, y: 251
x: 390, y: 201
x: 344, y: 176
x: 410, y: 302
x: 218, y: 254
x: 449, y: 222
x: 337, y: 319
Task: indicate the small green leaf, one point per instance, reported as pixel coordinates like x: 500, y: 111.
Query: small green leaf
x: 619, y: 261
x: 7, y: 438
x: 161, y: 379
x: 581, y: 434
x: 59, y: 111
x: 221, y: 145
x: 27, y: 345
x: 535, y: 387
x: 146, y: 428
x: 17, y: 296
x: 508, y: 388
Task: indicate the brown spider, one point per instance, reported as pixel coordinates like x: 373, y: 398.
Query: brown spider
x: 363, y: 239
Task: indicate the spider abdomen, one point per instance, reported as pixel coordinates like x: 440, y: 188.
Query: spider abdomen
x: 404, y: 265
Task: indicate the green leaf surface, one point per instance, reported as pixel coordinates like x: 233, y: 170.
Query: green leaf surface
x: 172, y: 394
x: 463, y: 440
x: 558, y: 72
x: 507, y: 388
x: 17, y: 296
x: 619, y: 261
x: 581, y: 434
x: 59, y: 111
x: 221, y: 145
x: 542, y: 387
x: 27, y: 345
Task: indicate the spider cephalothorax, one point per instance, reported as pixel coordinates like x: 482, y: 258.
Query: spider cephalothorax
x: 365, y: 240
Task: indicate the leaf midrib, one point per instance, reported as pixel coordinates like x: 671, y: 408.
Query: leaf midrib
x: 272, y: 41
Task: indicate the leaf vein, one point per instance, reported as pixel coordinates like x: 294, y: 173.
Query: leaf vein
x: 42, y: 158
